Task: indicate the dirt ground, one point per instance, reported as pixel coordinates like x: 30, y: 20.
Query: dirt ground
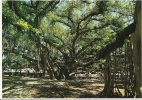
x: 25, y: 87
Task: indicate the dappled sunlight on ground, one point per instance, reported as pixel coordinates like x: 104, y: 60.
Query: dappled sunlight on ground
x: 25, y: 87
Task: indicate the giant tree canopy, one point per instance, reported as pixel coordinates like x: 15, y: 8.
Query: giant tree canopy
x: 64, y: 34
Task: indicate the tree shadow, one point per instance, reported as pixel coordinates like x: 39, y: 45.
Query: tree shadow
x: 47, y: 88
x: 15, y: 83
x: 65, y: 91
x: 61, y: 92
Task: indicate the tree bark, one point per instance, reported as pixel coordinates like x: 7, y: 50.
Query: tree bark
x: 108, y: 88
x: 136, y: 48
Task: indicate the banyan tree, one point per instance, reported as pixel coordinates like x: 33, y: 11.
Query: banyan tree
x: 58, y: 36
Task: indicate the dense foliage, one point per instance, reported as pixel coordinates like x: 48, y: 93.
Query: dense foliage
x: 56, y: 35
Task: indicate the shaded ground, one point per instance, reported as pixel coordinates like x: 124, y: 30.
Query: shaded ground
x: 25, y: 87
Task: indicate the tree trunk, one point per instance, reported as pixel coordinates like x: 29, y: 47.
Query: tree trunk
x: 108, y: 89
x: 50, y: 70
x: 61, y: 74
x: 136, y: 48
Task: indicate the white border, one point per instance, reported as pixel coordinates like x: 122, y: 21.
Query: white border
x: 1, y: 49
x: 44, y: 98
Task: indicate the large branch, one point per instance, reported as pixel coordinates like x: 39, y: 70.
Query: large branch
x: 13, y: 6
x: 49, y: 7
x: 23, y: 56
x: 63, y: 22
x: 86, y: 46
x: 30, y: 59
x: 55, y: 46
x: 120, y: 37
x: 64, y: 44
x: 66, y: 17
x: 73, y: 44
x: 100, y: 11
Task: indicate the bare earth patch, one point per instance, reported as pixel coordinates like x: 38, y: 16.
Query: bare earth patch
x: 24, y: 87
